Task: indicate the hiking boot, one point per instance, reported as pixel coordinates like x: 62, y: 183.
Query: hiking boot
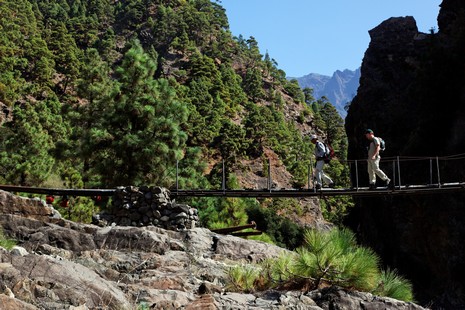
x: 331, y: 185
x: 318, y: 186
x: 372, y: 186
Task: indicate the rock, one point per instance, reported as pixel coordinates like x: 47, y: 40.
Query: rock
x: 145, y: 206
x: 83, y: 266
x: 28, y: 208
x: 17, y: 250
x: 9, y: 303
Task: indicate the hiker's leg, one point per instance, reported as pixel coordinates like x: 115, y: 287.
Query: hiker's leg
x: 378, y: 171
x: 371, y: 171
x: 326, y: 178
x: 319, y: 171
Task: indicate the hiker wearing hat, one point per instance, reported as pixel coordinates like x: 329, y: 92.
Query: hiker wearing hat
x: 373, y: 160
x: 320, y: 154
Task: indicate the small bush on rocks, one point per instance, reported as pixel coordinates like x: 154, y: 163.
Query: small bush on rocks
x: 326, y: 258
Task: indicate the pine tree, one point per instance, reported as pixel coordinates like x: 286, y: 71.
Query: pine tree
x: 66, y: 54
x: 93, y: 86
x: 25, y: 146
x: 253, y: 84
x: 333, y: 123
x: 231, y: 142
x: 24, y: 56
x: 138, y: 136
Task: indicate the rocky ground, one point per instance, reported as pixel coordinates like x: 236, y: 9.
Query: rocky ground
x: 58, y: 264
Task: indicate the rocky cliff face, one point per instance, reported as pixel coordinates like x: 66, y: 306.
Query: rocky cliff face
x: 411, y: 93
x: 65, y: 265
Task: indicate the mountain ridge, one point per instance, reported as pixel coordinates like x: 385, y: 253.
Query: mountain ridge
x: 339, y: 89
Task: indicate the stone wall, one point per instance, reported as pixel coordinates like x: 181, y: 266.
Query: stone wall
x: 147, y: 206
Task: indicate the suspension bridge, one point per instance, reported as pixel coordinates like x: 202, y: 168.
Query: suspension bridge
x: 429, y: 170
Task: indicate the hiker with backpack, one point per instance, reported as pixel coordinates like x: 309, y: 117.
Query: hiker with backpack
x: 322, y: 155
x: 374, y: 158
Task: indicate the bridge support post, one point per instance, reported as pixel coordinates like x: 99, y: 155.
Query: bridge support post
x: 398, y: 172
x: 177, y: 179
x: 308, y: 174
x: 269, y: 174
x: 430, y: 171
x: 356, y: 175
x: 439, y: 177
x: 394, y: 175
x: 223, y: 182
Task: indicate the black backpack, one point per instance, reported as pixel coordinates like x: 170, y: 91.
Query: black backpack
x: 382, y: 144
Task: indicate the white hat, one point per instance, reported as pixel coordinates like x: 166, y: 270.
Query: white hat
x: 313, y: 137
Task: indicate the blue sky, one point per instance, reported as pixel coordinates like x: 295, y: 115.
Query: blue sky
x: 320, y: 36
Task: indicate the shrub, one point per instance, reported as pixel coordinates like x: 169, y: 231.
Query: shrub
x: 395, y: 286
x: 243, y: 278
x: 5, y: 242
x: 281, y: 230
x: 326, y: 258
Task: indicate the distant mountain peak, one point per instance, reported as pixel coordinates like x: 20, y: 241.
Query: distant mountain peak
x: 340, y: 88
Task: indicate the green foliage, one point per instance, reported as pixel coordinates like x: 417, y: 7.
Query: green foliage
x: 231, y: 141
x: 257, y: 125
x: 5, y: 242
x: 25, y: 61
x: 335, y: 257
x: 294, y: 90
x: 326, y: 258
x: 109, y: 93
x: 308, y: 96
x: 243, y: 278
x: 391, y: 284
x: 253, y: 84
x: 26, y: 144
x: 281, y: 230
x: 190, y: 174
x: 335, y: 208
x: 279, y: 270
x: 264, y: 237
x: 79, y: 209
x: 234, y: 95
x: 226, y: 212
x: 139, y: 123
x: 66, y: 54
x: 143, y: 306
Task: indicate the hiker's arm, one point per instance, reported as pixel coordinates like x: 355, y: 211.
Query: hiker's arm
x: 377, y: 147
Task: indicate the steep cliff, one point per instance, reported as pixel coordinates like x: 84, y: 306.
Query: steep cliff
x: 411, y: 93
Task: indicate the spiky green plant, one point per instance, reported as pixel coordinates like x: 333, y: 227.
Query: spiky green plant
x: 330, y: 258
x: 334, y: 257
x: 391, y: 284
x: 359, y: 269
x: 242, y: 278
x: 5, y: 242
x: 279, y: 270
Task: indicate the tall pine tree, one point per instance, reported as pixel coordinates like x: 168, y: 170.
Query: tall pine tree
x: 138, y: 136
